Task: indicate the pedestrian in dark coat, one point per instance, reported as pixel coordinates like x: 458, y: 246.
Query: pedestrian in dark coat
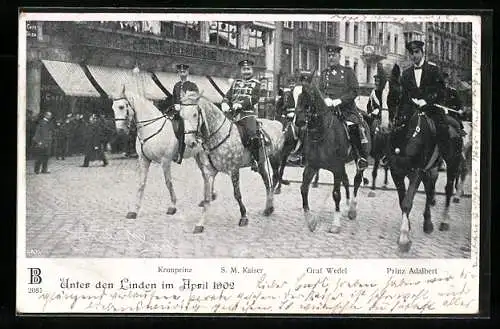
x: 42, y: 143
x: 93, y: 143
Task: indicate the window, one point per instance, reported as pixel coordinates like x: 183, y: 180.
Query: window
x: 224, y: 34
x: 330, y: 30
x: 347, y: 62
x: 355, y: 67
x: 368, y: 73
x: 452, y: 52
x: 303, y: 25
x: 187, y: 30
x: 287, y: 59
x: 369, y: 32
x: 288, y: 24
x: 347, y: 28
x: 380, y: 38
x: 314, y: 59
x: 388, y: 43
x: 430, y: 44
x: 450, y: 56
x: 316, y: 26
x: 436, y: 45
x: 396, y: 44
x: 255, y: 40
x: 356, y: 33
x: 303, y: 58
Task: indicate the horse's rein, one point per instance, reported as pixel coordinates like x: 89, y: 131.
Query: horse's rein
x: 143, y: 123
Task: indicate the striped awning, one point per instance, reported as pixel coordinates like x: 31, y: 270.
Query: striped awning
x: 206, y: 88
x: 112, y: 80
x: 167, y: 79
x: 223, y: 83
x: 71, y: 78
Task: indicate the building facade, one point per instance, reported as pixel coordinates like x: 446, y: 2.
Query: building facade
x: 72, y: 66
x: 366, y: 44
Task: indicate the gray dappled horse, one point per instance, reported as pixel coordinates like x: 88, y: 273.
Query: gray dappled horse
x: 156, y: 142
x: 206, y: 124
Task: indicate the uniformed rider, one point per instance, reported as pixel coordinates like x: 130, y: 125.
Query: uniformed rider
x: 286, y: 103
x: 242, y: 100
x: 181, y: 86
x: 340, y: 87
x: 453, y: 101
x: 422, y: 88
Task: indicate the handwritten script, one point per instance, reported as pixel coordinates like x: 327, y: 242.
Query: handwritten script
x: 306, y: 294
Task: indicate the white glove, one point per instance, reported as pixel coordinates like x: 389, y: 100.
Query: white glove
x: 375, y: 112
x: 237, y: 106
x: 337, y: 102
x: 419, y: 102
x: 224, y: 107
x: 177, y: 107
x: 290, y: 114
x: 328, y: 101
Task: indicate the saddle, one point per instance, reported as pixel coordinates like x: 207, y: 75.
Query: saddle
x: 261, y: 133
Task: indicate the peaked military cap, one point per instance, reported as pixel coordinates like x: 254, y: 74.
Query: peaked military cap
x: 180, y: 67
x: 291, y: 80
x: 415, y: 44
x: 246, y: 62
x: 333, y: 49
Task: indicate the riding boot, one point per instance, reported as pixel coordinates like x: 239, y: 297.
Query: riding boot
x: 362, y: 148
x: 442, y: 138
x: 254, y: 148
x: 182, y: 145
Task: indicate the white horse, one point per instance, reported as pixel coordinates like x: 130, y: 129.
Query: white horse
x: 156, y: 142
x: 224, y: 151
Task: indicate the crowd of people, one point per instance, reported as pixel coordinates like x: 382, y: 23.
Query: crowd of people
x: 90, y: 135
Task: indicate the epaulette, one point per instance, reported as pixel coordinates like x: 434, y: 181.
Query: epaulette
x: 254, y: 80
x: 431, y: 63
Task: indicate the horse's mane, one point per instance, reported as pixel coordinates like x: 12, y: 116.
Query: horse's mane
x: 317, y: 97
x: 136, y: 99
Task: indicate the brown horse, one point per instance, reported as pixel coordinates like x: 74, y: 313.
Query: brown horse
x: 326, y: 146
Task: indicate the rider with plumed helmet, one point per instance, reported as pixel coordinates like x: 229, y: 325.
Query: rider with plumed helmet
x: 340, y: 87
x: 242, y: 99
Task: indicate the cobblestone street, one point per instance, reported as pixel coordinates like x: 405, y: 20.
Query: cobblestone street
x: 80, y: 212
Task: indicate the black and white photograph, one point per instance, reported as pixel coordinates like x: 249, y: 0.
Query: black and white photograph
x: 189, y: 137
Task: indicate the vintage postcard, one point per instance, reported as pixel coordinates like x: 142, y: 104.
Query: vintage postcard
x: 227, y: 163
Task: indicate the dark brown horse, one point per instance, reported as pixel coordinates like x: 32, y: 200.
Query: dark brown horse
x: 416, y: 156
x: 326, y: 146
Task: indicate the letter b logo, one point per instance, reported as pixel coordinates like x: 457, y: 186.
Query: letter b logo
x: 35, y: 277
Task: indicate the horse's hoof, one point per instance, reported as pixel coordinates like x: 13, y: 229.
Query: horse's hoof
x: 171, y: 210
x: 444, y: 227
x: 277, y: 191
x: 456, y: 199
x: 365, y: 181
x: 433, y: 202
x: 268, y: 211
x: 384, y: 186
x: 371, y: 194
x: 428, y: 227
x: 202, y: 203
x: 351, y: 214
x: 285, y: 182
x: 312, y: 225
x: 198, y: 229
x: 214, y: 196
x: 131, y: 215
x: 243, y: 221
x: 334, y: 229
x: 314, y: 185
x: 404, y: 247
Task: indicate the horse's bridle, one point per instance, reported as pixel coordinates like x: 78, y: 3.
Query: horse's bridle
x: 142, y: 123
x: 198, y: 133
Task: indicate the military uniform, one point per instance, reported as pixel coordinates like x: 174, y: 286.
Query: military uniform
x: 42, y: 144
x: 242, y: 98
x: 430, y: 89
x: 179, y: 88
x: 340, y: 83
x: 452, y: 100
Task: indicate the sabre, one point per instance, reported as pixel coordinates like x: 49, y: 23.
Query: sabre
x: 447, y: 108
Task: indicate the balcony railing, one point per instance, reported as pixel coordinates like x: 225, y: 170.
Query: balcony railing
x: 102, y: 36
x: 373, y: 52
x: 310, y: 35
